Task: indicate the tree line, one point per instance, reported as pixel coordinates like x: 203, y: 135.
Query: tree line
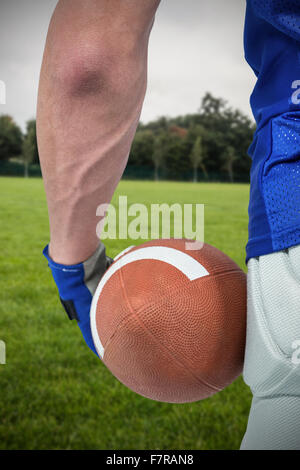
x: 211, y: 144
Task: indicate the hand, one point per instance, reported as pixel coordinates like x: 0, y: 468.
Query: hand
x: 76, y: 286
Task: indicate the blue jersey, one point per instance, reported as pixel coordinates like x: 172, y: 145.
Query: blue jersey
x: 272, y: 48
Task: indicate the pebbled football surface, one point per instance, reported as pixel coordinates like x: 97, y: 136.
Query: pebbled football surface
x: 165, y: 336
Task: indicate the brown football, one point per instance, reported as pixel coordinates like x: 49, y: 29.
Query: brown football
x: 170, y: 322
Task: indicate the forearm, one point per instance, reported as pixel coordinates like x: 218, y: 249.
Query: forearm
x: 92, y: 87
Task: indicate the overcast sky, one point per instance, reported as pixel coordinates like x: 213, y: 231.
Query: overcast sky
x: 196, y: 46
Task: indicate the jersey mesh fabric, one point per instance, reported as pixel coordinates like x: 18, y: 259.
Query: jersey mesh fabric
x: 272, y: 48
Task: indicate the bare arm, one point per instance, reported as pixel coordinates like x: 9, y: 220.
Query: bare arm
x: 92, y: 88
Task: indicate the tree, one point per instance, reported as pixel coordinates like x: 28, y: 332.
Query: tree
x: 142, y: 149
x: 197, y: 141
x: 31, y: 129
x: 196, y: 157
x: 159, y: 153
x: 11, y: 138
x: 229, y: 156
x: 211, y: 105
x: 30, y: 149
x: 177, y: 147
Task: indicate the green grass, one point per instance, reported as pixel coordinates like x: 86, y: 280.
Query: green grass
x: 54, y: 393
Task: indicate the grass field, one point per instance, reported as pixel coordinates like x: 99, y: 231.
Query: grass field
x: 54, y: 393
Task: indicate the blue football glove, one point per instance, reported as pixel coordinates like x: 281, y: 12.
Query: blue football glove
x: 76, y: 286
